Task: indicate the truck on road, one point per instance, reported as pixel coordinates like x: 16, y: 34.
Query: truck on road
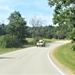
x: 40, y: 43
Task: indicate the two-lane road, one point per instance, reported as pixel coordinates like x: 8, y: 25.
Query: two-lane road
x: 32, y: 60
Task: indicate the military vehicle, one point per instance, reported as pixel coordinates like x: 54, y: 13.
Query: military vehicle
x: 40, y: 43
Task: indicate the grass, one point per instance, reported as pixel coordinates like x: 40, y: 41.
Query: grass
x: 49, y: 40
x: 6, y: 50
x: 46, y: 40
x: 30, y: 40
x: 65, y: 55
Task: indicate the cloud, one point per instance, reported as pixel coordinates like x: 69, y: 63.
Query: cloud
x: 28, y: 8
x: 5, y: 5
x: 6, y: 8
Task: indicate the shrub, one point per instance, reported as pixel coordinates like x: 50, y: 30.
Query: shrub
x: 9, y: 41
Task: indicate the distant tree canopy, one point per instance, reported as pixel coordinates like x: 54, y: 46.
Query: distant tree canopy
x: 45, y: 32
x: 64, y: 13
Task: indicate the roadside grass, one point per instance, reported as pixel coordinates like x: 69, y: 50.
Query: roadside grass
x: 6, y: 50
x: 66, y: 56
x: 49, y: 40
x: 46, y: 40
x: 30, y: 44
x: 29, y: 39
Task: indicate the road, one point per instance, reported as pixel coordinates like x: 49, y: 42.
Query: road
x: 33, y: 60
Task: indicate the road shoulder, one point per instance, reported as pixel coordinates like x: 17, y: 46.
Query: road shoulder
x: 60, y: 66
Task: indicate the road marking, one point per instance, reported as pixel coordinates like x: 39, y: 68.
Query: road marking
x: 16, y: 60
x: 54, y: 64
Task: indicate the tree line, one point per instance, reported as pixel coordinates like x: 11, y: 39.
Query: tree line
x: 14, y: 34
x: 49, y: 32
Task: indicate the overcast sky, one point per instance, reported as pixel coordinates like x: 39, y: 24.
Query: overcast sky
x: 27, y: 8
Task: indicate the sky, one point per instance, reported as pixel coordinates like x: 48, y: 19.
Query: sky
x: 28, y: 9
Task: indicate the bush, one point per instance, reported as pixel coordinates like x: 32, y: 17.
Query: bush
x: 9, y: 41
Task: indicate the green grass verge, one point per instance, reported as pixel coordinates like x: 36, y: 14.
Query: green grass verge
x: 49, y: 40
x: 6, y: 50
x: 65, y: 55
x: 30, y: 40
x: 46, y: 40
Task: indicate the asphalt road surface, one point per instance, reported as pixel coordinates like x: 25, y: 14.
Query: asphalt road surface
x: 33, y: 60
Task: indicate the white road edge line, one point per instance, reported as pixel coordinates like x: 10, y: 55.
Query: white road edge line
x: 54, y: 64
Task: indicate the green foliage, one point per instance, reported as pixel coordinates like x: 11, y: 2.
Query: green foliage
x: 35, y: 40
x: 61, y: 32
x: 2, y: 29
x: 37, y: 27
x: 9, y: 41
x: 64, y: 13
x: 30, y: 41
x: 48, y: 31
x: 44, y: 32
x: 17, y: 26
x: 13, y: 34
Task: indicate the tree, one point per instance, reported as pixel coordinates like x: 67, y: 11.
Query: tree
x: 64, y: 12
x: 9, y: 41
x: 45, y: 32
x: 17, y: 26
x: 37, y: 28
x: 2, y: 29
x: 48, y: 31
x: 61, y: 32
